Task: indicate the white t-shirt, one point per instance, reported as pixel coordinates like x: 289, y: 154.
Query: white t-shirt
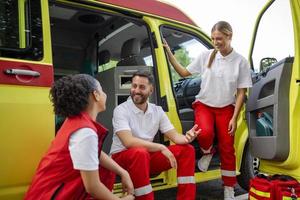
x: 142, y: 125
x: 220, y: 82
x: 83, y: 147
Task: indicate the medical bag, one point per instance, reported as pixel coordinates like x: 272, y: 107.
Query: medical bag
x: 276, y: 187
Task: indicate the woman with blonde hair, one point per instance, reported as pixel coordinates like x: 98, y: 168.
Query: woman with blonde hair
x: 225, y: 76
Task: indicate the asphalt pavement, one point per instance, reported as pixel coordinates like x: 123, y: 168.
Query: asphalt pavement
x: 209, y: 190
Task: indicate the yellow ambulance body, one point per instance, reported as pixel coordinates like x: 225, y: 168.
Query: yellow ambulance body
x: 41, y: 41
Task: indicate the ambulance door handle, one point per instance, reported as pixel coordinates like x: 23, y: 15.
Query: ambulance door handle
x: 23, y: 72
x: 298, y: 81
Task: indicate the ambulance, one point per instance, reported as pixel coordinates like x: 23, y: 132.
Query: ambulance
x: 42, y: 41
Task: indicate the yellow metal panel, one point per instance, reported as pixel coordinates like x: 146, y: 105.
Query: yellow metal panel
x: 46, y: 33
x: 295, y: 92
x: 27, y: 127
x: 22, y: 24
x: 240, y: 138
x: 207, y: 176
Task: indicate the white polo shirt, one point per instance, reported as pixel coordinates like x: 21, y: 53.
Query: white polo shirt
x: 220, y: 82
x: 142, y: 125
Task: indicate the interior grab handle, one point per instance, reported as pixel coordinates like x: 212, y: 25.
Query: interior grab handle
x: 130, y: 72
x: 24, y: 72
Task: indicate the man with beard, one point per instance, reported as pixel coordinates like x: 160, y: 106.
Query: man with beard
x: 135, y: 123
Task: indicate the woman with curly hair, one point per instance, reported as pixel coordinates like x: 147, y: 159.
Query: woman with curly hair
x: 74, y: 166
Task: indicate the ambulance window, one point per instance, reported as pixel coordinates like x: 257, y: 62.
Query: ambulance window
x: 274, y: 40
x: 146, y: 52
x: 127, y: 44
x: 21, y: 29
x: 9, y: 26
x: 184, y: 46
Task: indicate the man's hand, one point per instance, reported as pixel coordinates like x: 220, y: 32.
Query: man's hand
x: 177, y: 138
x: 127, y: 184
x: 192, y: 133
x: 166, y: 152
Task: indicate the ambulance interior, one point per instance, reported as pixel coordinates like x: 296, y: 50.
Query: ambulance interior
x: 108, y: 47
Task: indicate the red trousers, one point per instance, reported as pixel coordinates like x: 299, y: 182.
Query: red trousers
x: 140, y: 164
x: 107, y: 177
x: 214, y: 121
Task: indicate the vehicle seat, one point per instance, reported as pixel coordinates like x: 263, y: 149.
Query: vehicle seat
x: 130, y: 53
x: 103, y: 57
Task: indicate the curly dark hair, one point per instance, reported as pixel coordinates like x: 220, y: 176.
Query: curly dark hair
x: 70, y: 94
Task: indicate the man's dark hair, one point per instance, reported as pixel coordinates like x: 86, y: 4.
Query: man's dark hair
x: 145, y: 74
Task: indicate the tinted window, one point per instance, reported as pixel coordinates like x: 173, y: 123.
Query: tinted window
x: 21, y: 29
x: 9, y: 25
x: 184, y: 46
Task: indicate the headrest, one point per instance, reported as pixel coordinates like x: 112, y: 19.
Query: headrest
x: 104, y: 57
x: 130, y: 47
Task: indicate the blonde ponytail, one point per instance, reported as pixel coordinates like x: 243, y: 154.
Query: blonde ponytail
x: 212, y: 57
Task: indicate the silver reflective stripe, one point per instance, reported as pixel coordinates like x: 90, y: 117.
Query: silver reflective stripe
x: 228, y: 173
x: 186, y: 179
x: 143, y: 190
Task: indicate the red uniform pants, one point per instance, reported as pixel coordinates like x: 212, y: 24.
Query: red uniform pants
x: 213, y: 121
x: 140, y: 164
x: 107, y: 177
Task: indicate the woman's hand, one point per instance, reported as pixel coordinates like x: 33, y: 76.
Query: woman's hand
x: 232, y: 126
x: 127, y: 184
x: 182, y: 71
x: 166, y: 46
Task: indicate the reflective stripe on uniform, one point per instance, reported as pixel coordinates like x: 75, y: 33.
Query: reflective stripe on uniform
x: 186, y: 179
x: 143, y: 190
x: 289, y: 198
x: 252, y: 198
x: 260, y: 193
x: 228, y: 173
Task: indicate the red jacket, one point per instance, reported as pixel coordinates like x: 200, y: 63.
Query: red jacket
x: 55, y: 177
